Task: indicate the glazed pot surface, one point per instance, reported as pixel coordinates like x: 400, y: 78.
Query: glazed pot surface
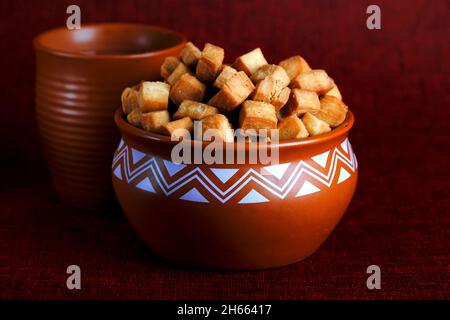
x: 80, y: 75
x: 235, y: 216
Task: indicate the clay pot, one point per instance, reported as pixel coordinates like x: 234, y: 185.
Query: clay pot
x: 79, y: 79
x: 237, y: 216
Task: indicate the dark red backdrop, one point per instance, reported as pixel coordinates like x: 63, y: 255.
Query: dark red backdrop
x: 396, y: 81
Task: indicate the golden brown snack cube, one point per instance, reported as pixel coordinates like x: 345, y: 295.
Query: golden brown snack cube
x: 314, y: 80
x: 303, y: 101
x: 257, y: 115
x: 292, y: 127
x: 209, y: 63
x: 190, y: 54
x: 180, y: 70
x: 168, y: 66
x: 134, y: 117
x: 194, y: 110
x: 154, y: 121
x: 282, y: 98
x: 219, y: 123
x: 335, y: 92
x: 272, y: 70
x: 314, y: 125
x: 332, y: 110
x: 269, y: 89
x: 250, y: 62
x: 233, y: 92
x: 153, y: 96
x: 171, y: 128
x: 130, y: 100
x: 225, y: 75
x: 294, y: 66
x: 187, y: 87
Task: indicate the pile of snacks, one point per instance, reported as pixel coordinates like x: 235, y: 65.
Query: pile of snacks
x: 249, y: 94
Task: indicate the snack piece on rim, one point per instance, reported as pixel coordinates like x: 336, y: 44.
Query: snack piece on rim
x: 153, y: 96
x: 153, y: 121
x: 134, y: 117
x: 314, y: 80
x: 180, y: 70
x: 257, y: 115
x: 294, y: 66
x: 332, y: 111
x: 190, y: 54
x: 209, y: 63
x: 303, y: 101
x: 335, y: 92
x: 292, y: 127
x: 314, y: 125
x: 233, y: 92
x: 220, y: 124
x: 187, y: 88
x: 172, y: 128
x: 194, y: 110
x: 168, y: 66
x: 130, y: 100
x: 250, y: 62
x: 225, y: 74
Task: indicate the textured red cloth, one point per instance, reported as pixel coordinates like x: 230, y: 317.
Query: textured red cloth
x: 395, y: 80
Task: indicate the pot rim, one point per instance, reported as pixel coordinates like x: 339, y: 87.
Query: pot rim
x: 38, y: 46
x: 341, y: 130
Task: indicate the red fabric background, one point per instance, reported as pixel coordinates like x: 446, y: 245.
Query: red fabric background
x: 395, y: 80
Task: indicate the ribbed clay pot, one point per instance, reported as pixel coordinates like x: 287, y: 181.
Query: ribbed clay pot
x: 235, y: 216
x: 80, y: 75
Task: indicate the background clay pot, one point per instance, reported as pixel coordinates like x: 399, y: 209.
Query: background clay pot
x: 235, y: 216
x: 79, y: 79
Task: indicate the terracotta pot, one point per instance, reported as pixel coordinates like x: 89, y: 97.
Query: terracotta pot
x: 79, y: 78
x: 235, y: 216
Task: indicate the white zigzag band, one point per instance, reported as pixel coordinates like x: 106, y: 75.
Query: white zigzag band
x: 142, y: 175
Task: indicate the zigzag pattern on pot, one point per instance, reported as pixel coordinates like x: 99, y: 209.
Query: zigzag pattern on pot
x: 151, y: 170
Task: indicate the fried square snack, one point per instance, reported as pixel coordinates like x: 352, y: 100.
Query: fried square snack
x: 233, y: 92
x: 153, y: 96
x: 154, y: 121
x: 187, y: 88
x: 257, y: 115
x: 282, y: 98
x: 209, y: 63
x: 314, y: 125
x: 314, y: 80
x: 332, y: 111
x: 130, y: 100
x: 335, y: 92
x: 171, y: 128
x: 134, y: 117
x: 224, y: 75
x: 268, y: 89
x: 250, y: 62
x: 190, y: 54
x: 294, y: 66
x: 302, y: 101
x: 272, y: 70
x: 220, y: 123
x: 292, y: 127
x: 177, y: 73
x: 194, y: 110
x: 168, y: 66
